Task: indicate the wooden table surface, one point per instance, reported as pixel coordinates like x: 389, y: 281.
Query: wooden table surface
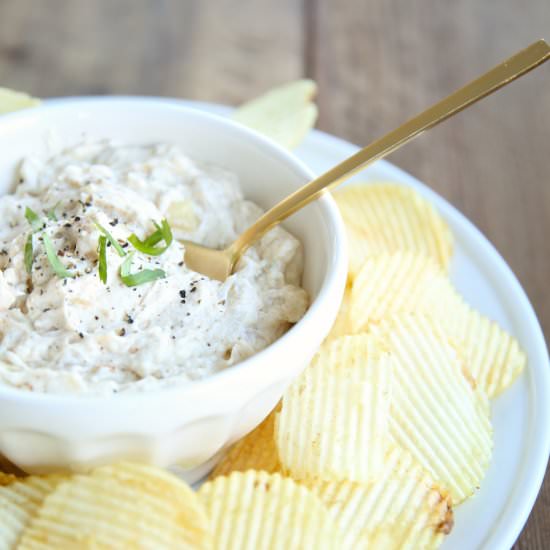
x: 376, y: 61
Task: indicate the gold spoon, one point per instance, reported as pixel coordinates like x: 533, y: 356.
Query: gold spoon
x: 219, y: 264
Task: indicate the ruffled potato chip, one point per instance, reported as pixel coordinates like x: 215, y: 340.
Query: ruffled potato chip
x: 342, y: 325
x: 11, y: 100
x: 285, y: 114
x: 19, y: 503
x: 494, y: 357
x: 260, y: 511
x: 181, y: 215
x: 125, y: 505
x: 402, y: 509
x: 6, y: 479
x: 436, y: 414
x: 333, y: 422
x: 403, y: 282
x: 255, y: 451
x: 386, y: 217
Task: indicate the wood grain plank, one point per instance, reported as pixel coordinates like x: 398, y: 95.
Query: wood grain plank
x: 225, y: 50
x: 382, y: 61
x: 243, y: 48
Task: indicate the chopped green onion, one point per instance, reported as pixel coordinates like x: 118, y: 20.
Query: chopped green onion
x: 166, y: 231
x: 33, y: 219
x: 60, y: 270
x: 51, y: 212
x: 112, y: 240
x: 141, y: 277
x: 153, y: 239
x: 147, y: 246
x: 28, y: 254
x: 102, y: 246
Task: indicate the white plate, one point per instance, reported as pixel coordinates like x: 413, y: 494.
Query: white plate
x: 493, y: 519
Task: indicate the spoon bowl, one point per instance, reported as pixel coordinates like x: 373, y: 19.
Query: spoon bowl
x: 216, y: 264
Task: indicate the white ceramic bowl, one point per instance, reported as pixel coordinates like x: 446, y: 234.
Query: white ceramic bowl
x: 187, y: 426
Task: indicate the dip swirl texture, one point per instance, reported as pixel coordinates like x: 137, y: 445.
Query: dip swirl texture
x: 79, y: 335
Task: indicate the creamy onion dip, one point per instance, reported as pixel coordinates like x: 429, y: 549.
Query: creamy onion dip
x: 79, y: 335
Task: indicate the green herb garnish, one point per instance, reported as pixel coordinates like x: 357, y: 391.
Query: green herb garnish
x: 111, y: 239
x: 29, y: 253
x: 33, y: 219
x: 141, y: 277
x: 60, y: 270
x: 154, y: 238
x: 147, y: 246
x: 36, y: 224
x: 102, y: 248
x: 51, y: 212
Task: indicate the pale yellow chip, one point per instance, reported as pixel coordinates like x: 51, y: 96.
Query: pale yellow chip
x: 404, y: 282
x: 402, y: 509
x: 255, y: 451
x: 333, y: 422
x: 494, y: 357
x: 121, y: 506
x: 342, y: 325
x: 435, y: 414
x: 6, y: 479
x: 400, y: 282
x: 386, y: 217
x: 11, y: 100
x: 260, y: 511
x: 19, y: 502
x: 285, y: 114
x: 181, y: 215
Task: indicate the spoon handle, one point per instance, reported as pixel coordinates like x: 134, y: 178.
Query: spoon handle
x: 490, y: 82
